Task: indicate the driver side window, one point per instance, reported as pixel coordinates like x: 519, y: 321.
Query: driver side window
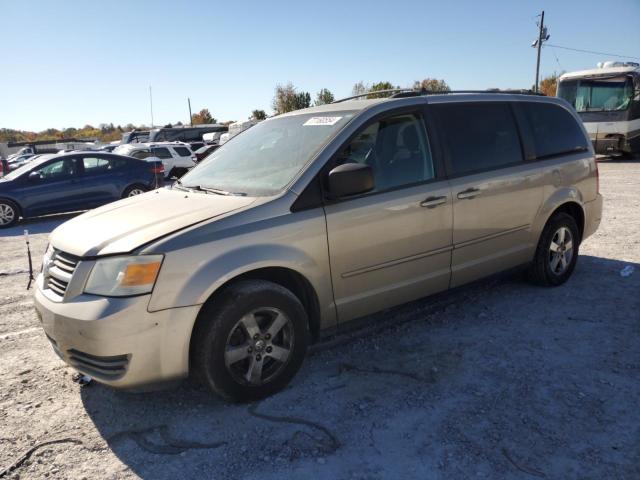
x: 397, y: 150
x: 58, y: 170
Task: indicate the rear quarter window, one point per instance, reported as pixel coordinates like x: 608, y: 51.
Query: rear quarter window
x: 478, y: 136
x: 553, y: 129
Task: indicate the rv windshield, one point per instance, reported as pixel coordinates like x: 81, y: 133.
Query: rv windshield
x: 264, y: 159
x: 597, y: 94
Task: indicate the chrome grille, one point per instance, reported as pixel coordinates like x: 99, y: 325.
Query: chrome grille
x: 58, y: 271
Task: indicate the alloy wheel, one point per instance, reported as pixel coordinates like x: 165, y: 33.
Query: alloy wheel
x: 259, y: 346
x: 561, y: 251
x: 135, y: 191
x: 7, y: 214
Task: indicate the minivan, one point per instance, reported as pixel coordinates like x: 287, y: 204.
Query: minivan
x: 310, y: 220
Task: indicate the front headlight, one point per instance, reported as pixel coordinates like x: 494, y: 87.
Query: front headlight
x: 124, y: 276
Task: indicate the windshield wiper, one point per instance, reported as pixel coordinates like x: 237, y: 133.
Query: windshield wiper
x: 216, y: 191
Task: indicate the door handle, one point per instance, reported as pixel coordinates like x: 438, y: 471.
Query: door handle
x: 433, y: 202
x: 469, y: 193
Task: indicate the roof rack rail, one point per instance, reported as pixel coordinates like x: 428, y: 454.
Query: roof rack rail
x: 374, y: 93
x: 410, y: 92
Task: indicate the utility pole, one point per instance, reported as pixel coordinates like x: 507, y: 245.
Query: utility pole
x: 151, y: 105
x: 542, y: 37
x: 190, y: 116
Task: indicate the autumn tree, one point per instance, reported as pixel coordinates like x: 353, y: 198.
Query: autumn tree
x: 431, y: 85
x: 203, y: 117
x: 258, y: 115
x: 324, y: 97
x: 548, y: 85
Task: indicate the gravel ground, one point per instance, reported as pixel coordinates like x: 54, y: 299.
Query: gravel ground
x: 499, y: 379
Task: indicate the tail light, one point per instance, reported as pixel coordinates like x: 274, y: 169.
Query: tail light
x: 157, y: 169
x: 1, y: 169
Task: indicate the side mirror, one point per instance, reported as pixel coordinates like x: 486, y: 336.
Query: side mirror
x: 350, y: 179
x: 35, y: 177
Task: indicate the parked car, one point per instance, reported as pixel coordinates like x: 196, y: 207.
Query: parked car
x: 176, y: 157
x: 205, y: 151
x: 72, y: 182
x: 17, y: 162
x: 184, y: 133
x: 4, y: 166
x: 312, y: 219
x: 107, y: 148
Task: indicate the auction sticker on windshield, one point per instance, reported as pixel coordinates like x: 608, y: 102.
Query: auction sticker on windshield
x: 322, y: 121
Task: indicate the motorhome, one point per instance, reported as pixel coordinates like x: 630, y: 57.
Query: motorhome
x: 607, y: 99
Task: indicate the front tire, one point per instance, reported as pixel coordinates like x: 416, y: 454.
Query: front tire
x: 9, y: 214
x: 250, y: 341
x: 557, y: 251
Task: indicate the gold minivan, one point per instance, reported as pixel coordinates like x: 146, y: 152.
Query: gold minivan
x: 312, y: 219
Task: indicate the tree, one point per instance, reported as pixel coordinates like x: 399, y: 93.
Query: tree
x: 302, y: 100
x: 548, y: 85
x: 287, y: 99
x: 431, y: 85
x: 377, y: 87
x: 203, y: 117
x: 258, y: 115
x: 323, y: 97
x: 359, y: 88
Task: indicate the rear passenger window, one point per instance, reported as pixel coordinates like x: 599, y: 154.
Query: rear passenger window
x: 161, y: 152
x: 95, y: 165
x: 479, y: 136
x: 183, y: 152
x: 554, y: 129
x: 396, y: 149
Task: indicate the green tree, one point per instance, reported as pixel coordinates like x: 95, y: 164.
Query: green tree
x: 431, y: 85
x: 258, y: 115
x: 377, y: 87
x: 203, y: 117
x: 324, y: 97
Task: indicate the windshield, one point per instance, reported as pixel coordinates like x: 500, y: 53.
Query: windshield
x: 597, y: 95
x: 265, y: 158
x: 27, y: 167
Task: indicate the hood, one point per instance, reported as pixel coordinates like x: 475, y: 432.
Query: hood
x: 124, y: 225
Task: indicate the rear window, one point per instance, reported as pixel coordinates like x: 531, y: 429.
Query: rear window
x: 182, y: 151
x: 479, y: 136
x: 554, y: 129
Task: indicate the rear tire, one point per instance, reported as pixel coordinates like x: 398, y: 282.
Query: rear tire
x: 9, y: 213
x: 133, y: 190
x: 251, y: 341
x: 557, y: 251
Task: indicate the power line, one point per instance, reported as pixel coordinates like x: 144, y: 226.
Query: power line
x: 591, y: 51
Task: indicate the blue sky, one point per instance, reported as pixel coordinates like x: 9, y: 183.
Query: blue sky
x: 71, y: 63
